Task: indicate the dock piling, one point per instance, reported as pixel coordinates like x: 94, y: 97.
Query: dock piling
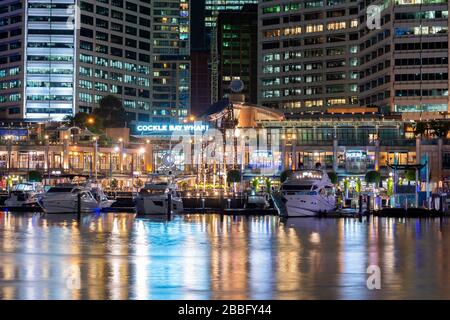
x: 79, y: 206
x: 169, y: 206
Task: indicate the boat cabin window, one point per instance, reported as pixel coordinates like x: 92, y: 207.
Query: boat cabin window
x: 151, y: 191
x: 59, y: 189
x: 22, y: 187
x: 329, y: 191
x: 86, y: 195
x: 296, y: 187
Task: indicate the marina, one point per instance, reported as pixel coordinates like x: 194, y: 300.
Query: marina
x: 224, y: 150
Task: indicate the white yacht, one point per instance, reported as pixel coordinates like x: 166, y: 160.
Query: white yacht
x: 64, y: 199
x: 307, y: 193
x: 153, y: 199
x: 24, y: 195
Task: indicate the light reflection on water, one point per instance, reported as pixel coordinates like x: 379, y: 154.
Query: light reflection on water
x: 118, y: 256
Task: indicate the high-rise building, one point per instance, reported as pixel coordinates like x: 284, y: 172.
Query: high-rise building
x: 212, y: 9
x: 63, y: 56
x: 237, y: 51
x: 404, y: 57
x: 319, y: 55
x: 308, y: 54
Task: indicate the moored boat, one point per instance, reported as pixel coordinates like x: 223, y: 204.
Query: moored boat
x: 65, y: 198
x: 23, y: 195
x: 307, y: 193
x: 153, y: 199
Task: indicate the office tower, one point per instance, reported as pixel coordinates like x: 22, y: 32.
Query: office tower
x: 237, y: 53
x: 321, y: 55
x: 308, y: 55
x: 404, y: 57
x: 212, y: 9
x: 63, y: 56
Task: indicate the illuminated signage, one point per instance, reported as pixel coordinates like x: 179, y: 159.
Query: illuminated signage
x: 165, y: 128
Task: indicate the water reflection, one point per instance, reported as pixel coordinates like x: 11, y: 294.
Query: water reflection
x: 119, y: 256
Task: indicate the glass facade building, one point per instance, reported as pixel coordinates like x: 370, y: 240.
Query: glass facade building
x: 213, y: 7
x: 76, y: 52
x: 49, y: 59
x: 404, y: 61
x: 237, y: 41
x: 325, y: 55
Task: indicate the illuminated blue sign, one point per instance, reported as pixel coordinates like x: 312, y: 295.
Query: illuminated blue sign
x: 169, y: 128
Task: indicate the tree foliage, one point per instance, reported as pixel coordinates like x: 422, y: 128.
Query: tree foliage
x: 285, y: 175
x: 410, y: 175
x: 333, y: 177
x: 255, y: 183
x: 268, y: 184
x: 420, y: 128
x: 373, y: 177
x: 390, y: 187
x: 233, y: 176
x: 113, y: 184
x: 440, y: 128
x: 34, y: 176
x: 111, y: 112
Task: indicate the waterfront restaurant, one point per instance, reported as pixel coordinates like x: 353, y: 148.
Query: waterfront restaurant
x: 350, y: 143
x: 57, y: 151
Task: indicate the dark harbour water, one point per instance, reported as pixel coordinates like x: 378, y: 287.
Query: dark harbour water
x: 119, y: 256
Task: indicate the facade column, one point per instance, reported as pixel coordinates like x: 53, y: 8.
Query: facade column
x: 66, y: 154
x: 377, y: 154
x: 283, y: 154
x: 95, y: 158
x: 418, y: 151
x: 121, y: 152
x: 8, y: 164
x: 335, y: 154
x: 148, y: 158
x: 295, y: 157
x: 439, y: 155
x: 47, y: 156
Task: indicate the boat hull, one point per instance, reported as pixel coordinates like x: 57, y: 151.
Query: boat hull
x: 18, y: 204
x: 157, y: 206
x: 68, y: 206
x: 308, y: 206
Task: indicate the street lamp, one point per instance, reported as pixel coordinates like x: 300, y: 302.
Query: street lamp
x: 9, y: 141
x: 47, y: 158
x: 95, y: 139
x: 122, y: 157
